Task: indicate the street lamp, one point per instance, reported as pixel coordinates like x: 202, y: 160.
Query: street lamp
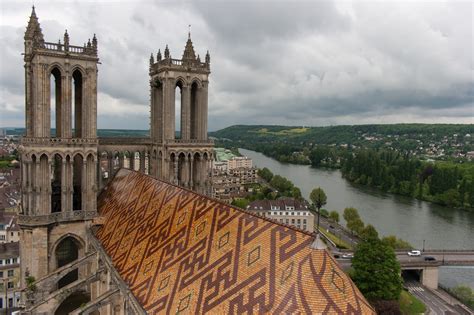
x: 423, y: 246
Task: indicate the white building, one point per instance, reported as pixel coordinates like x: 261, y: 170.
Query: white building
x: 239, y: 162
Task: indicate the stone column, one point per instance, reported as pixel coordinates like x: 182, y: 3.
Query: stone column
x: 169, y: 109
x: 121, y: 158
x: 132, y: 161
x: 67, y: 105
x: 92, y: 185
x: 45, y: 186
x: 176, y: 170
x: 111, y: 161
x: 186, y: 112
x: 63, y: 184
x: 191, y: 167
x: 185, y: 174
x: 99, y: 172
x: 69, y: 185
x: 142, y: 162
x: 203, y: 110
x: 84, y: 185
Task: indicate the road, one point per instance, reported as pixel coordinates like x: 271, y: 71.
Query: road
x: 457, y: 258
x: 432, y: 301
x: 339, y: 231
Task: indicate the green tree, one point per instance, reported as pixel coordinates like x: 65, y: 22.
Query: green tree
x: 396, y: 243
x: 281, y: 184
x: 334, y: 216
x: 240, y: 202
x: 369, y: 232
x: 356, y: 225
x: 265, y: 173
x: 319, y: 199
x: 350, y: 214
x: 376, y: 270
x: 465, y: 294
x: 296, y: 193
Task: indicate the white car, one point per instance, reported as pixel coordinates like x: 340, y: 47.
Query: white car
x: 414, y: 253
x: 348, y: 256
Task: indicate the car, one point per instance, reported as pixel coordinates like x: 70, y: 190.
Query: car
x: 414, y: 252
x: 337, y: 256
x: 429, y: 258
x: 331, y: 226
x: 348, y: 256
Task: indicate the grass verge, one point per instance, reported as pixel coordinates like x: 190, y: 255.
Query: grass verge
x: 409, y: 304
x: 339, y: 243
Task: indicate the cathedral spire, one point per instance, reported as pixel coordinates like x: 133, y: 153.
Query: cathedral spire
x: 33, y: 30
x: 189, y: 53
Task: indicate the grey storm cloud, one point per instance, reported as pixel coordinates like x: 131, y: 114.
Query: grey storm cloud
x: 272, y: 62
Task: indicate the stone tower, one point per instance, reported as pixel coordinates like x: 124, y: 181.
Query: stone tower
x: 185, y: 158
x: 58, y: 154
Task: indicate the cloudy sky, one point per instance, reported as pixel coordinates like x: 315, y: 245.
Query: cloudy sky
x: 272, y: 62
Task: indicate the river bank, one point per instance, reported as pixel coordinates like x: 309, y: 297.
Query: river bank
x: 412, y: 220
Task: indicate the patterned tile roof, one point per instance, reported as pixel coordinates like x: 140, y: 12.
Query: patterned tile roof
x: 180, y: 252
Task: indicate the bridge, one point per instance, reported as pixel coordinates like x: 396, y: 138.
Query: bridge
x: 427, y: 271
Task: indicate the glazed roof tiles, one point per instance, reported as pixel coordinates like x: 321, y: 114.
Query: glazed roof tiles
x: 181, y: 252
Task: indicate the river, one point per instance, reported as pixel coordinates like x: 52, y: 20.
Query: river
x: 410, y: 219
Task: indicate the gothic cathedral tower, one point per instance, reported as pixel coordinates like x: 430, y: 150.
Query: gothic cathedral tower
x: 58, y: 154
x: 182, y: 158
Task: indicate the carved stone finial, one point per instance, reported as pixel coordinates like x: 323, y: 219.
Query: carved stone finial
x: 152, y: 59
x: 208, y: 58
x: 158, y: 55
x: 94, y: 42
x: 66, y: 41
x: 167, y: 52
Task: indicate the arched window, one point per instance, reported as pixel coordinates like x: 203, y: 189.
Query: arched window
x: 66, y: 252
x: 194, y: 111
x: 178, y: 105
x: 56, y: 102
x: 77, y: 182
x: 77, y: 104
x: 56, y: 180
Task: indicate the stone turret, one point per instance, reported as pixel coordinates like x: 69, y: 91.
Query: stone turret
x: 33, y: 34
x: 66, y: 41
x: 167, y: 52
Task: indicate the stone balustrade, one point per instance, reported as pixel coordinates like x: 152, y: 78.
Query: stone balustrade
x: 64, y: 216
x: 70, y: 48
x: 58, y: 141
x: 189, y: 142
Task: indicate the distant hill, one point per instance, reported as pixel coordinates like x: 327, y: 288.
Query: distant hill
x: 348, y: 134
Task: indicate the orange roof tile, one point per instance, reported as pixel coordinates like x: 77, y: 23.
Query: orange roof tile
x: 180, y: 252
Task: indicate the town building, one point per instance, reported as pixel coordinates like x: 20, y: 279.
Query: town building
x: 9, y: 228
x: 149, y: 241
x: 9, y: 276
x: 285, y: 210
x: 239, y: 162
